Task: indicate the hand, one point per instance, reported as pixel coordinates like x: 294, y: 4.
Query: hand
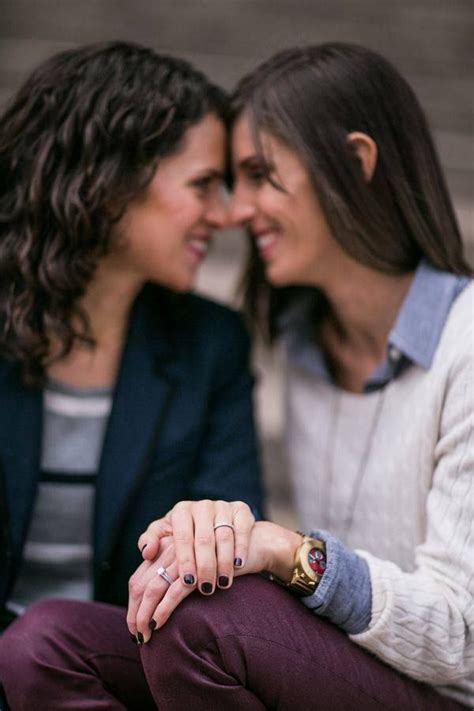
x: 271, y: 547
x: 205, y: 555
x: 151, y: 598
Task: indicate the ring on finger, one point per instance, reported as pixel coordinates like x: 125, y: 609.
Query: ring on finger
x: 224, y: 524
x: 163, y: 573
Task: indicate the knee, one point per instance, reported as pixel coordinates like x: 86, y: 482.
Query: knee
x: 200, y: 620
x: 27, y: 640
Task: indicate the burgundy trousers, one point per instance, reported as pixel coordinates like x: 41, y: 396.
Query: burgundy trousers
x: 250, y: 648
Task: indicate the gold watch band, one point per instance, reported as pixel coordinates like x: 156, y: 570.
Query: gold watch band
x: 305, y: 579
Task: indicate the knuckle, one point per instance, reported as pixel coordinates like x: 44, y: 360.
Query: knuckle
x: 183, y: 537
x: 135, y: 589
x: 150, y: 592
x: 182, y: 506
x: 204, y: 539
x: 175, y: 593
x: 186, y: 563
x: 224, y: 535
x: 206, y: 572
x: 204, y: 504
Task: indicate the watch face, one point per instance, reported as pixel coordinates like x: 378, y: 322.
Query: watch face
x: 317, y: 561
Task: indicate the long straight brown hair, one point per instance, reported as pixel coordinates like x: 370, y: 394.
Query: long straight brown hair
x: 312, y: 98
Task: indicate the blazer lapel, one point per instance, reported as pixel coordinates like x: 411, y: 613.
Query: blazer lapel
x: 143, y: 392
x: 20, y: 446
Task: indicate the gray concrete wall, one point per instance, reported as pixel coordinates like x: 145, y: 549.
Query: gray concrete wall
x: 428, y: 40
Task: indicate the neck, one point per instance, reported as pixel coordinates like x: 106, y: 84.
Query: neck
x: 107, y: 303
x: 364, y: 305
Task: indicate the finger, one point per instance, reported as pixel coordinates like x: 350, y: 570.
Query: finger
x: 156, y: 589
x: 182, y: 521
x: 243, y: 520
x: 175, y: 594
x: 136, y: 587
x: 205, y: 546
x: 138, y: 583
x: 225, y: 547
x: 149, y: 541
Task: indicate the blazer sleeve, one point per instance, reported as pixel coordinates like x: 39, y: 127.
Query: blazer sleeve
x: 228, y: 465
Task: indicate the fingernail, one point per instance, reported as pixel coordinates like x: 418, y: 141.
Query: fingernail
x: 206, y: 588
x: 140, y: 638
x: 152, y: 624
x: 223, y: 581
x: 143, y: 547
x: 133, y: 638
x: 238, y: 562
x: 188, y: 579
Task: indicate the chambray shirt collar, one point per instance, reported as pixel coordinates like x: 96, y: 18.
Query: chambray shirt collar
x: 413, y: 338
x: 423, y: 313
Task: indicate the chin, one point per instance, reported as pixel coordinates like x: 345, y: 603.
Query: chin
x: 178, y: 283
x: 278, y: 277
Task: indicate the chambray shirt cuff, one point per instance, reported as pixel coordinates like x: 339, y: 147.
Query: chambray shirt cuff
x: 344, y: 594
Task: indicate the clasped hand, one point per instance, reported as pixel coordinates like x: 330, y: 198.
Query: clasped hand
x: 191, y: 549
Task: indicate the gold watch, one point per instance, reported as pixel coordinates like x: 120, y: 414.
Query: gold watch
x: 310, y: 564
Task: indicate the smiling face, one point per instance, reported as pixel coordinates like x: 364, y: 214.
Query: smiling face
x: 164, y: 235
x: 285, y: 218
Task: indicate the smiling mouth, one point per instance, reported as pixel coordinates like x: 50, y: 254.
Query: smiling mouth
x: 199, y: 247
x: 266, y: 242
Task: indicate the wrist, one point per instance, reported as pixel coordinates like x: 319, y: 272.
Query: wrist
x: 285, y: 548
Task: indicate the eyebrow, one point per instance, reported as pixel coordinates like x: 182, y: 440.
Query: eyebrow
x: 213, y: 173
x: 247, y: 163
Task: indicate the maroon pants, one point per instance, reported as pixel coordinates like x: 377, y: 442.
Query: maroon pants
x: 250, y: 648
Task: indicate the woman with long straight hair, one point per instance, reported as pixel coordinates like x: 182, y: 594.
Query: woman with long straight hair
x: 357, y: 265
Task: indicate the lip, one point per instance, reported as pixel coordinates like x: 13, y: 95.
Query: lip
x: 198, y: 246
x: 266, y: 241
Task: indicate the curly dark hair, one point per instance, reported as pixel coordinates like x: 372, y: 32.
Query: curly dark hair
x: 80, y: 140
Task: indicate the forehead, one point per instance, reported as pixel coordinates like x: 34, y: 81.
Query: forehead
x: 203, y: 147
x: 208, y: 133
x: 245, y: 148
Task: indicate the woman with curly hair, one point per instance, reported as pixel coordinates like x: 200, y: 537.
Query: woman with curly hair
x: 357, y: 264
x: 120, y: 393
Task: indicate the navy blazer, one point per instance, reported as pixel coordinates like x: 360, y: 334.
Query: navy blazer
x: 181, y: 427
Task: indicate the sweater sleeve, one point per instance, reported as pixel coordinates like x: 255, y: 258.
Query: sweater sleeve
x: 343, y: 595
x: 423, y: 621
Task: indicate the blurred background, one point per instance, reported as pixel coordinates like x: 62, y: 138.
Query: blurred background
x: 430, y: 41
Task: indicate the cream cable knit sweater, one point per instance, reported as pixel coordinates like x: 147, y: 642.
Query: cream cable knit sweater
x: 412, y: 493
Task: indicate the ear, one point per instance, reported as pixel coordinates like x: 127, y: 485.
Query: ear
x: 365, y: 149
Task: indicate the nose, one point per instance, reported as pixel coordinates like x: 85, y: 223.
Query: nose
x: 217, y: 213
x: 241, y: 209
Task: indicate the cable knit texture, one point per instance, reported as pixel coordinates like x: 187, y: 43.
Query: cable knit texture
x: 405, y: 504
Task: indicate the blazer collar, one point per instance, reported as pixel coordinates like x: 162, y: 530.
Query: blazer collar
x: 146, y: 382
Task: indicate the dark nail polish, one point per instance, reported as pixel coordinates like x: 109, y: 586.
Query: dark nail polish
x: 143, y: 547
x: 140, y: 638
x: 238, y: 562
x: 223, y: 581
x: 152, y: 624
x: 133, y: 638
x: 206, y: 588
x: 189, y: 579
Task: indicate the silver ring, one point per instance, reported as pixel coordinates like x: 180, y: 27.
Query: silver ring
x: 224, y: 525
x: 163, y: 573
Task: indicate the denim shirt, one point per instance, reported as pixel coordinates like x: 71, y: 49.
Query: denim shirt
x: 344, y: 594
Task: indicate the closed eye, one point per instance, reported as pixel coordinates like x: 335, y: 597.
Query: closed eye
x: 204, y: 183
